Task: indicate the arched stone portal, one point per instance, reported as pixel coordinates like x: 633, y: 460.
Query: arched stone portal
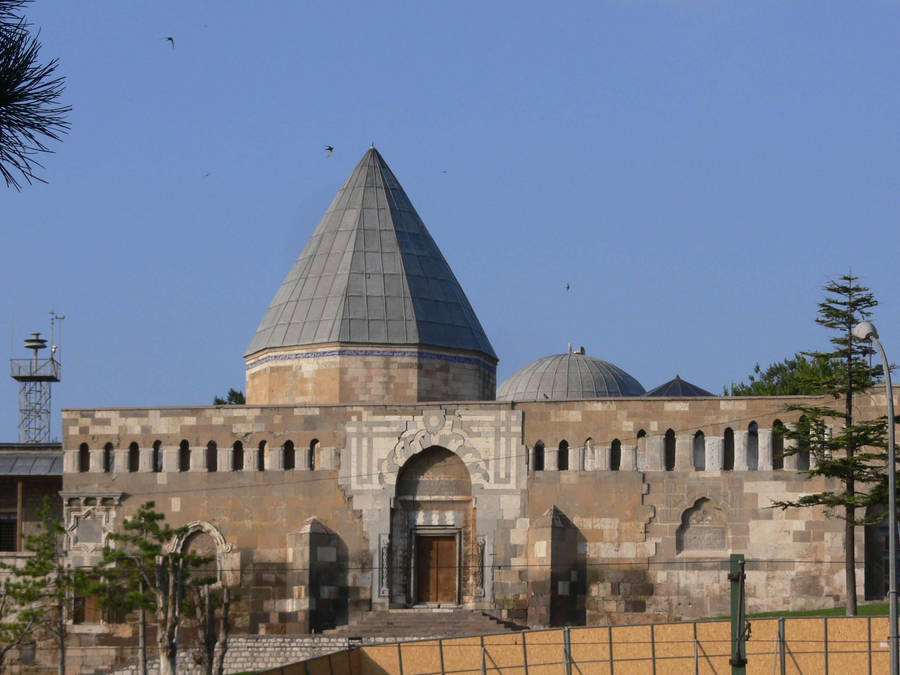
x: 432, y: 521
x: 877, y: 545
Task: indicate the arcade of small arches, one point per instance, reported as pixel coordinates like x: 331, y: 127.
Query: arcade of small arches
x: 750, y: 449
x: 184, y: 458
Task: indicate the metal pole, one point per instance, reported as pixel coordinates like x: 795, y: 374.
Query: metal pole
x: 781, y: 646
x: 736, y: 576
x: 892, y: 508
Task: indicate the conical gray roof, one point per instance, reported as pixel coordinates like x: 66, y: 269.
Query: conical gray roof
x: 678, y: 387
x: 562, y: 377
x: 371, y: 274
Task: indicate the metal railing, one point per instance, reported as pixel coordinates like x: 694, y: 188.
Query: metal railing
x: 34, y: 369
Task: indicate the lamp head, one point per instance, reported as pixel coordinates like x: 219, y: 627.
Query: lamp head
x: 865, y: 331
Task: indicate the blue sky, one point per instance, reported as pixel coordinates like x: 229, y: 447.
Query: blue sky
x: 695, y: 170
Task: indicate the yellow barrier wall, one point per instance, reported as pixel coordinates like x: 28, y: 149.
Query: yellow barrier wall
x: 812, y: 645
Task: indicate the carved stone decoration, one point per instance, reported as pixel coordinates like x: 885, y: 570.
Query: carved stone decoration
x: 195, y: 526
x: 433, y: 428
x: 702, y: 528
x: 384, y: 589
x: 89, y: 519
x: 201, y: 526
x: 479, y: 567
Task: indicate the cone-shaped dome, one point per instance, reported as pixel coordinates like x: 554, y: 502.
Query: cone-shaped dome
x: 562, y: 377
x: 678, y: 387
x: 371, y: 274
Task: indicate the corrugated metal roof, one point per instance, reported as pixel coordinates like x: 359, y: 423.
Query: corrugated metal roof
x: 678, y: 387
x: 371, y: 274
x: 562, y: 377
x: 31, y: 464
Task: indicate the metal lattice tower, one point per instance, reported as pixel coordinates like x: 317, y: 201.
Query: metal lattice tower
x: 35, y: 375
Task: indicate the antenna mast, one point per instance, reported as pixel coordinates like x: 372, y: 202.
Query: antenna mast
x: 35, y: 375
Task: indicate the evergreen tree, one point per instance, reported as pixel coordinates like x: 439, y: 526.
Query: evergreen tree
x: 20, y: 609
x: 800, y: 375
x: 36, y: 591
x: 852, y: 454
x: 233, y: 397
x: 143, y: 570
x: 29, y: 98
x: 58, y: 582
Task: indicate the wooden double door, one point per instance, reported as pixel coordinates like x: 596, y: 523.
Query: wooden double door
x: 436, y: 569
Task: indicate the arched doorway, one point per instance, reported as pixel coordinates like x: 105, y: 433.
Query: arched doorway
x: 431, y: 531
x: 877, y: 545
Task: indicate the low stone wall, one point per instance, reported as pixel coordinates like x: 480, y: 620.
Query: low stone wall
x: 252, y: 652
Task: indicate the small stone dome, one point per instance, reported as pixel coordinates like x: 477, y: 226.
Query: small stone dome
x: 561, y: 377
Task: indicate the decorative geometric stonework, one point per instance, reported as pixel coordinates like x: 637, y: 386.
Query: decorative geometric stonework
x: 89, y: 518
x: 479, y: 567
x: 488, y: 442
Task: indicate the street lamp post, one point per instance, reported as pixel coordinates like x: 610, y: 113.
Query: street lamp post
x: 865, y: 332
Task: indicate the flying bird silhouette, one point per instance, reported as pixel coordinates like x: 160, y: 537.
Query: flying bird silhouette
x: 171, y: 41
x: 567, y: 286
x: 329, y: 149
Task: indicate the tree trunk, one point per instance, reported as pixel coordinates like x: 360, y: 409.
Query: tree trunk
x: 223, y: 633
x: 167, y: 615
x: 850, y: 561
x: 61, y: 637
x: 142, y: 638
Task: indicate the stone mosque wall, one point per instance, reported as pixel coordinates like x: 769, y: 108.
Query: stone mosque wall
x: 576, y: 512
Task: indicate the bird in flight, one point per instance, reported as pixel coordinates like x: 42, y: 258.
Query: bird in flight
x: 567, y: 286
x: 329, y: 149
x: 171, y: 41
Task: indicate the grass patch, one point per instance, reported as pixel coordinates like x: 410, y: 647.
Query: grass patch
x: 871, y: 609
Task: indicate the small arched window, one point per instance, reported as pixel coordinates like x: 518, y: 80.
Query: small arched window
x: 669, y: 451
x: 615, y: 455
x: 777, y: 445
x: 134, y: 457
x: 157, y: 456
x: 108, y: 458
x: 237, y: 456
x: 261, y: 457
x: 753, y: 446
x: 290, y: 459
x: 728, y: 450
x: 184, y: 456
x: 539, y: 456
x: 699, y: 451
x: 311, y: 454
x: 562, y: 457
x: 212, y: 456
x: 84, y: 458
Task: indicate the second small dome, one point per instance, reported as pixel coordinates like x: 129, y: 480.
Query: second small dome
x: 561, y: 377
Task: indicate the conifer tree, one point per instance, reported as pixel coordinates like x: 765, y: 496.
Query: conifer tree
x: 143, y: 570
x: 30, y: 112
x: 58, y: 582
x: 840, y: 446
x: 795, y: 376
x: 36, y: 591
